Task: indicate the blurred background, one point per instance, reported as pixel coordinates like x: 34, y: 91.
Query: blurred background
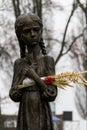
x: 65, y: 37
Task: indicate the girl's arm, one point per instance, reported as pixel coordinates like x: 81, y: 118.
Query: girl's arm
x: 51, y: 91
x: 18, y: 77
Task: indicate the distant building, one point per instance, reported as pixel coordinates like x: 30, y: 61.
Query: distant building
x: 8, y: 122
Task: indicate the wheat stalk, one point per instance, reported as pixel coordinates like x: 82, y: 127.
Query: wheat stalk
x: 64, y: 79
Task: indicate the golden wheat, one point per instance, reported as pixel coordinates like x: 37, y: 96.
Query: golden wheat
x: 65, y: 79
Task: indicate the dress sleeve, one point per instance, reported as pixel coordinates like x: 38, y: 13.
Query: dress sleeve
x: 51, y: 91
x: 15, y: 93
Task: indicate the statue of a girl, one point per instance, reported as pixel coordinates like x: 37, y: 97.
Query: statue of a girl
x: 34, y: 110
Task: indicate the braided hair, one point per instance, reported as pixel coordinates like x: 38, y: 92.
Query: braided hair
x: 19, y: 24
x: 41, y: 44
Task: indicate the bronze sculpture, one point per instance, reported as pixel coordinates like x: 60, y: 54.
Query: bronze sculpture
x: 34, y: 111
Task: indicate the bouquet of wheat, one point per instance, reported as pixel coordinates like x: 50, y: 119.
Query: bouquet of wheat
x: 61, y: 80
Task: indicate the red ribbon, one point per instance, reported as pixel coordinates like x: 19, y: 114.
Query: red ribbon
x: 48, y: 80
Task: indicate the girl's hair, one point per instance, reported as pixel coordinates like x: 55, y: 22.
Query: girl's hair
x: 41, y: 44
x: 20, y: 22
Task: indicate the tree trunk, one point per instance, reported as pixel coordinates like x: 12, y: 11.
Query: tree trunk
x: 37, y: 7
x: 16, y: 7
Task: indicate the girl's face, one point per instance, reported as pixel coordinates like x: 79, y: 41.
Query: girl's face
x: 31, y: 33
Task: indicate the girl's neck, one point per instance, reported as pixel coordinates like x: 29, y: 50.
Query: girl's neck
x: 34, y: 52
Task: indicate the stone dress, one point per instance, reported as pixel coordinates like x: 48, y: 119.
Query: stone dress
x: 34, y: 111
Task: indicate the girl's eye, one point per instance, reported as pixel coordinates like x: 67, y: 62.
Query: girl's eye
x: 26, y: 31
x: 37, y: 29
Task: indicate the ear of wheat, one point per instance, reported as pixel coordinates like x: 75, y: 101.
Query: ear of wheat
x: 65, y: 79
x: 62, y: 80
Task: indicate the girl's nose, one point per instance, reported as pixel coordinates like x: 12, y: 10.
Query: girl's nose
x: 32, y: 33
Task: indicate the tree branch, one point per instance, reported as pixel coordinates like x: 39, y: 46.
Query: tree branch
x: 74, y: 40
x: 64, y: 36
x: 72, y: 43
x: 81, y: 5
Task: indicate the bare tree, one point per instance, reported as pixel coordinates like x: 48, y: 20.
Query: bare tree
x: 36, y: 6
x: 81, y: 96
x: 74, y: 6
x: 16, y: 6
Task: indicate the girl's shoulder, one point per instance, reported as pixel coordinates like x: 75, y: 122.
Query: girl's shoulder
x: 48, y: 59
x: 49, y: 65
x: 17, y: 61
